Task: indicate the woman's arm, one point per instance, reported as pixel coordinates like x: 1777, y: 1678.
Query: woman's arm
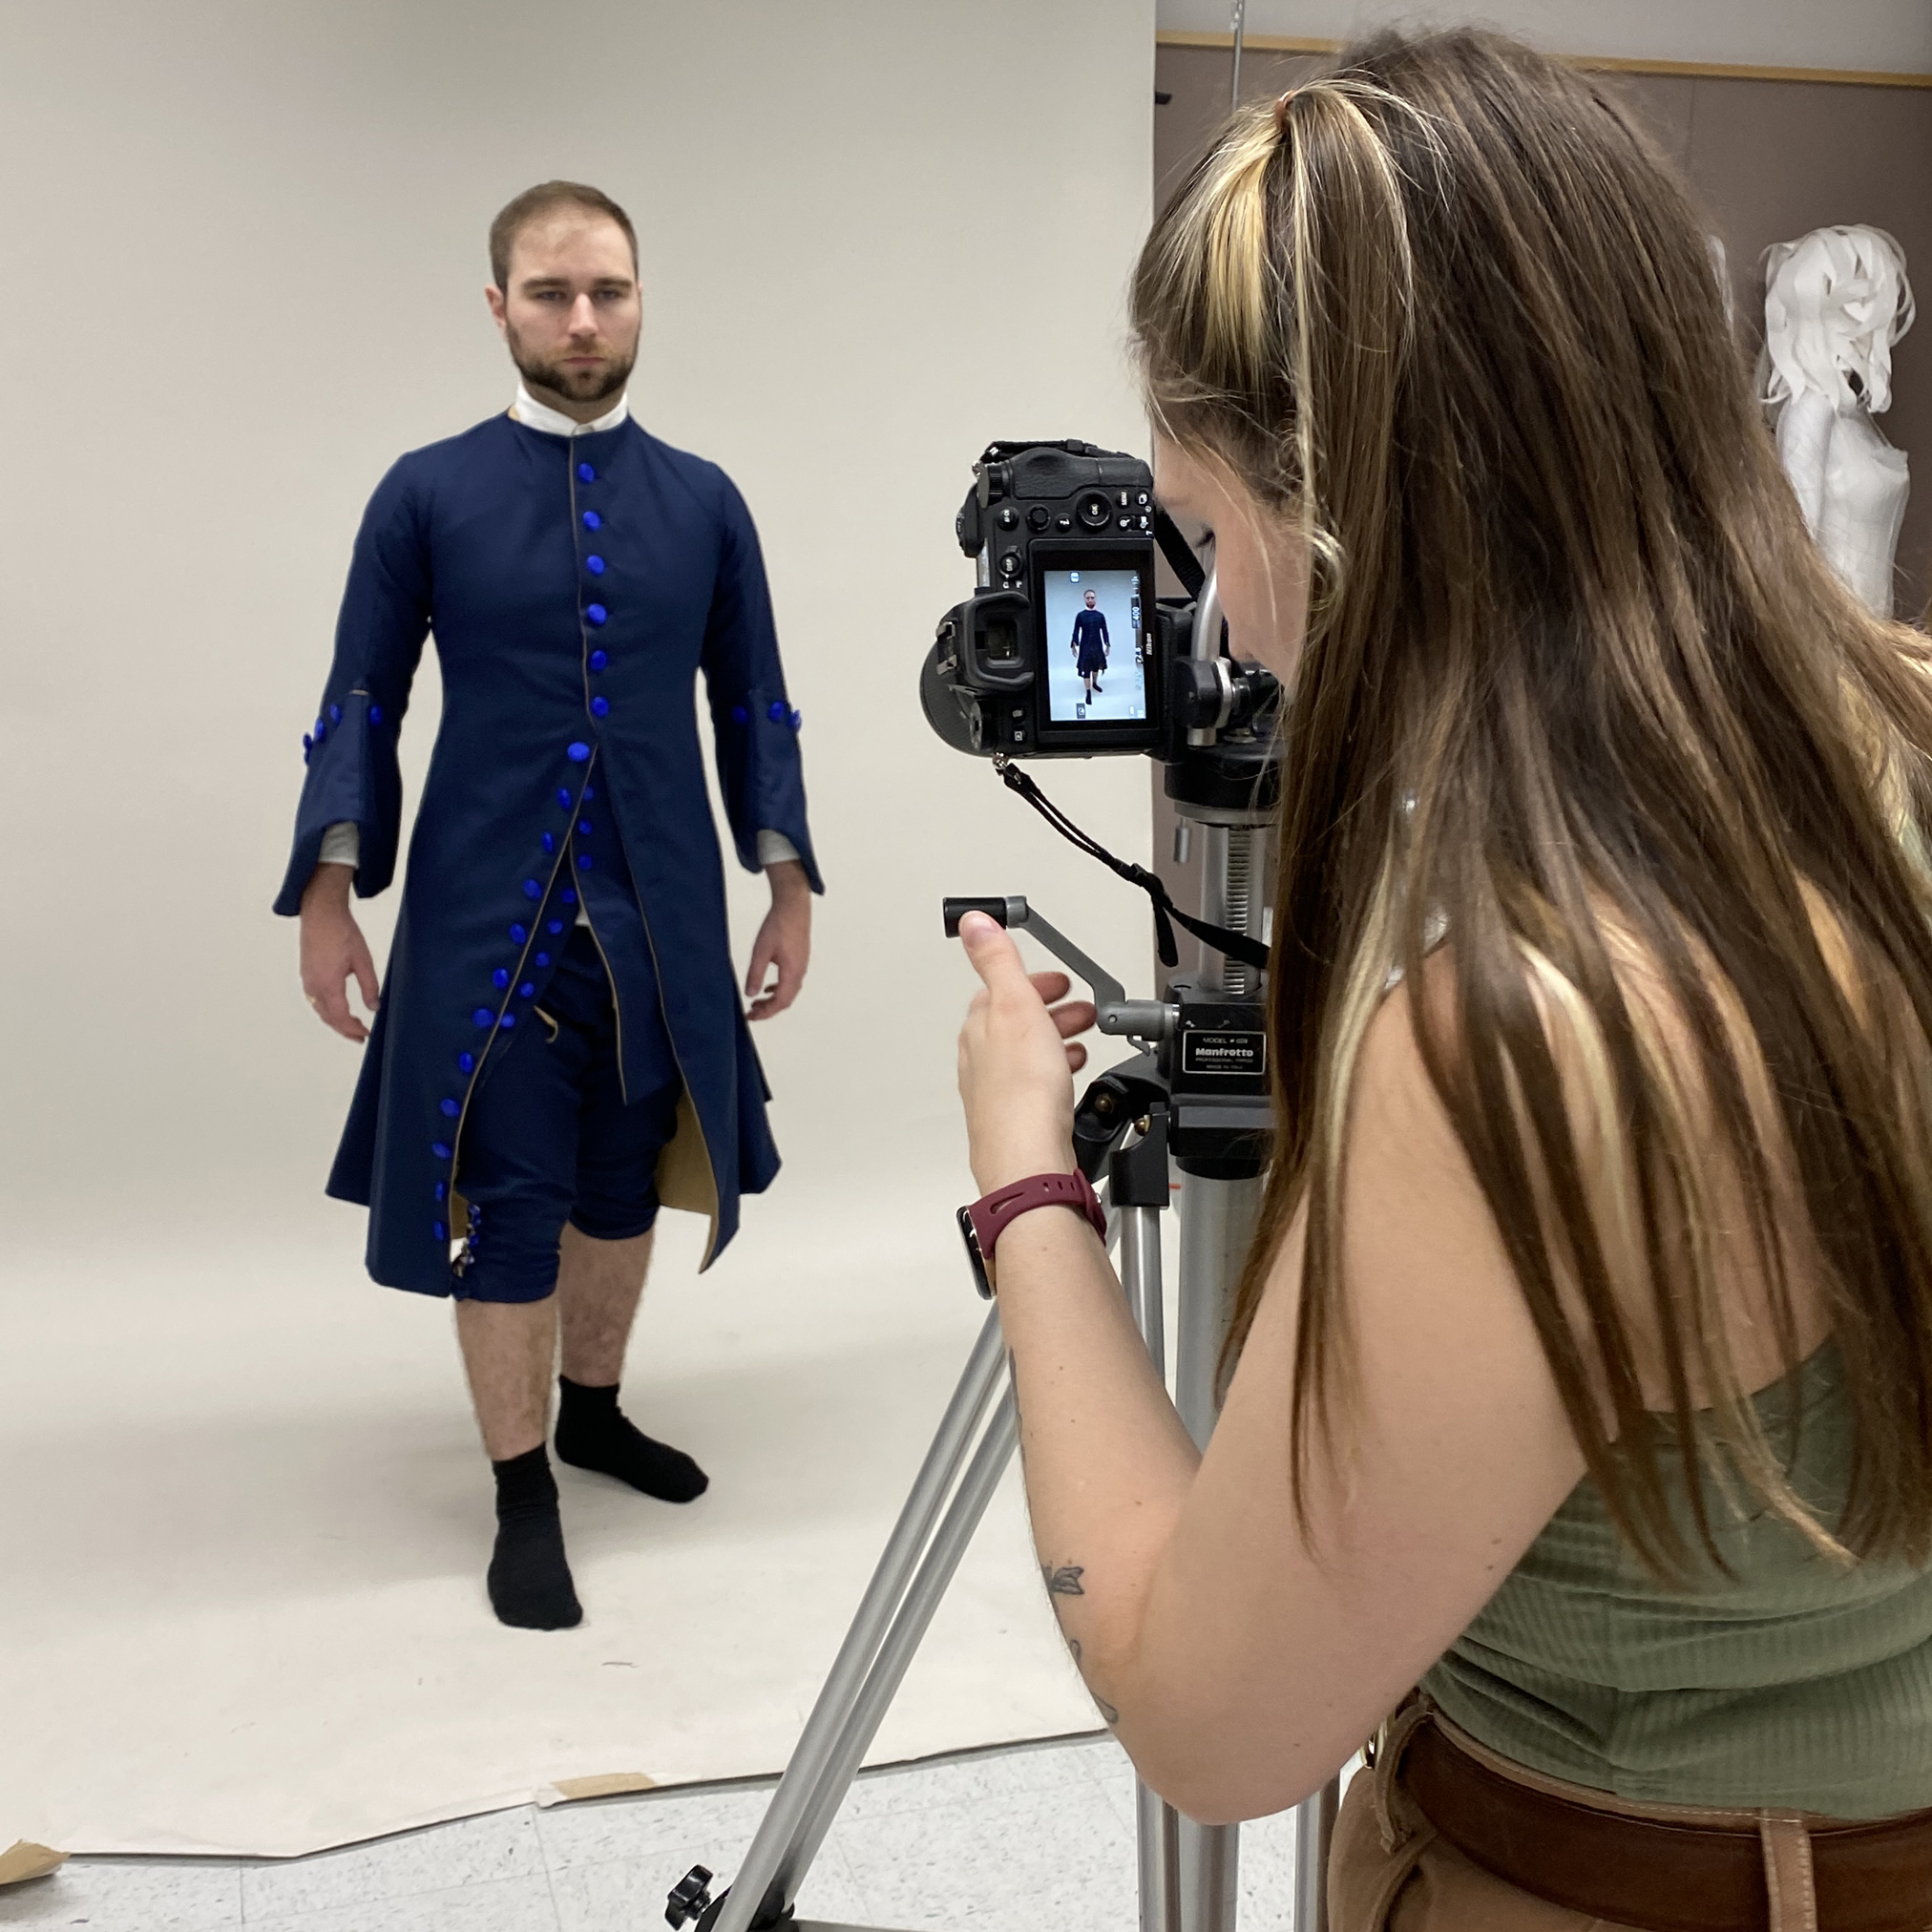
x: 1108, y: 1466
x: 1243, y: 1664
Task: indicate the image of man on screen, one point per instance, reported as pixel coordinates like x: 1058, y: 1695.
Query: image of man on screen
x: 1090, y: 612
x: 1090, y: 648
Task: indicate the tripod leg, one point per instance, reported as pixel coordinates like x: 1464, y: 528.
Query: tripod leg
x: 1157, y: 1826
x: 1158, y: 1831
x: 909, y: 1627
x: 1315, y: 1826
x: 1217, y: 1221
x: 1140, y: 1263
x: 1217, y: 1218
x: 1209, y: 1865
x: 813, y: 1778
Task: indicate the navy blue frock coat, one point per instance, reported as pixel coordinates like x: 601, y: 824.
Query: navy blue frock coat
x: 1089, y: 642
x: 575, y: 587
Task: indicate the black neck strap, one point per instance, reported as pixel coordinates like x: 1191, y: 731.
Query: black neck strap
x: 1179, y: 552
x: 1249, y: 951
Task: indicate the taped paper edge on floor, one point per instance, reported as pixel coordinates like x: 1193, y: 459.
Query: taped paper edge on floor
x: 608, y: 1784
x: 24, y: 1859
x: 563, y: 1791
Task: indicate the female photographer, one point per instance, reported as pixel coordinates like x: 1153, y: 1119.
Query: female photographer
x: 1578, y: 1432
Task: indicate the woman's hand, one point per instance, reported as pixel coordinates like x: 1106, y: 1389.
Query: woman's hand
x: 1016, y: 1061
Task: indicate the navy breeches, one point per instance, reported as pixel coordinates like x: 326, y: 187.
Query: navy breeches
x: 550, y: 1137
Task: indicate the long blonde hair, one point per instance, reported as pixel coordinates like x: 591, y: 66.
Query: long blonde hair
x: 1576, y: 679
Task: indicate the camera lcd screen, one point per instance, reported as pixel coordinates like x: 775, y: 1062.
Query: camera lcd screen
x: 1095, y: 674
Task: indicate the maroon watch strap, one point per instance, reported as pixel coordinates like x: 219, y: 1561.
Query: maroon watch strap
x: 989, y: 1217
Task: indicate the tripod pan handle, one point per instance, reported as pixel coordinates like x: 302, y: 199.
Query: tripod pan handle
x: 1009, y: 912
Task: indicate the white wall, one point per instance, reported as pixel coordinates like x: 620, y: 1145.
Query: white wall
x: 247, y: 245
x: 1882, y: 35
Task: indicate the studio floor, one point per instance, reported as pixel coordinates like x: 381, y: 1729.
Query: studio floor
x: 1004, y: 1839
x: 246, y: 1519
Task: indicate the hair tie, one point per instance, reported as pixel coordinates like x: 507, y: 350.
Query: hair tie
x: 1281, y: 108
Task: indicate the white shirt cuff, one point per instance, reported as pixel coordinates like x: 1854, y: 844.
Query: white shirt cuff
x: 342, y: 843
x: 341, y: 846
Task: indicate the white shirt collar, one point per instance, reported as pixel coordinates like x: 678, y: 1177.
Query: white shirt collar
x: 535, y: 415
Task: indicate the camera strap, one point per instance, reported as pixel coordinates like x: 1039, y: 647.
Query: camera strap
x: 1179, y: 552
x: 1241, y: 946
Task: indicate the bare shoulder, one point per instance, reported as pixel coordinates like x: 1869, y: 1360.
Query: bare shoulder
x: 1409, y: 1185
x: 1449, y: 1446
x: 1400, y: 1126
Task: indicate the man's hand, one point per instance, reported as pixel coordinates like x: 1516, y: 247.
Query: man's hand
x: 333, y: 949
x: 784, y: 941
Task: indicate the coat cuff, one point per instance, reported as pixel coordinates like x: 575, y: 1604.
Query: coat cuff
x: 763, y: 779
x: 350, y: 753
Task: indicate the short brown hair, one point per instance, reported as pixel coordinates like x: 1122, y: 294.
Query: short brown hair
x: 539, y: 201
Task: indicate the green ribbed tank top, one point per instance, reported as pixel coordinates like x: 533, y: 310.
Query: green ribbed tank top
x: 1796, y: 1682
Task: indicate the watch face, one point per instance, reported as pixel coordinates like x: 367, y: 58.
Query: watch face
x: 981, y: 1280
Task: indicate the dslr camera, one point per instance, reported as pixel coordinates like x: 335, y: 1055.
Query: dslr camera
x: 1065, y: 650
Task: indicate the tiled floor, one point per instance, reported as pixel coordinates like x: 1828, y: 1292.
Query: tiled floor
x: 994, y: 1839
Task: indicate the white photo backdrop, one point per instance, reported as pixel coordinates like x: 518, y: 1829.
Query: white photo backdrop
x: 247, y: 1516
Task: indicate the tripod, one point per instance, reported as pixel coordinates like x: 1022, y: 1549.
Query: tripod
x: 1197, y: 1093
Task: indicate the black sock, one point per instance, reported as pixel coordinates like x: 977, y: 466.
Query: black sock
x: 528, y: 1580
x: 592, y: 1433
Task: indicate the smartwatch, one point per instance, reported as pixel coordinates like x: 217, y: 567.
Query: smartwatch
x: 982, y: 1224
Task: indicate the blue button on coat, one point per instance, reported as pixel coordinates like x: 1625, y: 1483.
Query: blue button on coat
x: 482, y: 540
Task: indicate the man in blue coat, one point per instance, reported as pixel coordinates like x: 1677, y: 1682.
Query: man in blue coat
x: 1090, y: 648
x: 560, y: 1046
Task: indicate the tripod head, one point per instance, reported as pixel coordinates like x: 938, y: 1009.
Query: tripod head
x: 1203, y: 1064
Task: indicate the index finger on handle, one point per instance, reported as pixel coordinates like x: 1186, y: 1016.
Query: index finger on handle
x: 995, y: 958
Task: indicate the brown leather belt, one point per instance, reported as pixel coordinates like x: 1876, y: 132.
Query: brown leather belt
x: 1657, y: 1874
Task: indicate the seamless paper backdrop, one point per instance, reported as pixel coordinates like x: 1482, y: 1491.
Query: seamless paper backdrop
x: 245, y: 1516
x: 249, y: 245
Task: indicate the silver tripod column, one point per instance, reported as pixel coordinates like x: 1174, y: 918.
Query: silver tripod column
x: 1217, y: 1221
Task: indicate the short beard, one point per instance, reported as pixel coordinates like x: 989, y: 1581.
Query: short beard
x: 580, y: 386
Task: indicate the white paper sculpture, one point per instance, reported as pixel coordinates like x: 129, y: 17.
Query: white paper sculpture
x: 1834, y: 302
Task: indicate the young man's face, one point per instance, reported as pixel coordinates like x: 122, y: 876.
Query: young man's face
x: 572, y: 312
x: 1090, y: 599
